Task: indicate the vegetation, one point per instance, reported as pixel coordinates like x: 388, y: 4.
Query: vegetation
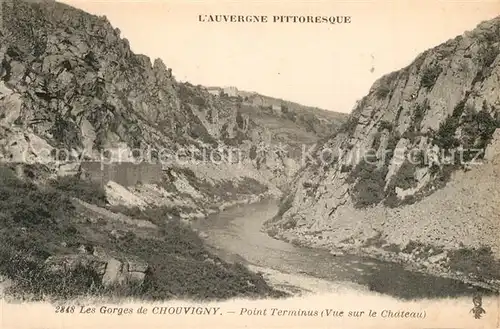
x: 285, y: 204
x: 180, y: 257
x: 430, y: 75
x: 369, y: 182
x: 82, y: 189
x: 349, y: 126
x: 382, y: 91
x: 405, y: 176
x: 376, y: 140
x: 477, y: 130
x: 487, y: 56
x: 479, y: 262
x: 345, y: 168
x: 385, y: 125
x: 445, y: 136
x: 37, y: 221
x: 240, y: 121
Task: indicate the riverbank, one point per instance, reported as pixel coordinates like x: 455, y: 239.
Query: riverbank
x: 418, y: 258
x: 236, y: 235
x: 303, y: 285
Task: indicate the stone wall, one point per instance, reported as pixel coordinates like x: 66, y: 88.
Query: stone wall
x: 125, y: 174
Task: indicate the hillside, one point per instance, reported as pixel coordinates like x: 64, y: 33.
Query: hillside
x: 73, y: 92
x: 411, y: 176
x: 285, y: 122
x: 320, y: 122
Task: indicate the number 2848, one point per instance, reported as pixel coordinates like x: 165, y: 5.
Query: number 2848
x: 65, y: 309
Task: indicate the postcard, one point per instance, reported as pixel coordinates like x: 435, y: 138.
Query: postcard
x: 248, y: 164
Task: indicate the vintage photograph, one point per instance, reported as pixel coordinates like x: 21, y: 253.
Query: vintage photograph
x: 160, y: 151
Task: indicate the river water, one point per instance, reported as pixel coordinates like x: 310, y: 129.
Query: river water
x: 235, y: 235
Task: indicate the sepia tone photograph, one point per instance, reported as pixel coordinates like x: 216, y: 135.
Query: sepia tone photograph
x: 282, y: 164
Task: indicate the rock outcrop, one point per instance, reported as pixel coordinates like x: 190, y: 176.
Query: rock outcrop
x: 70, y: 79
x: 414, y: 162
x: 72, y: 96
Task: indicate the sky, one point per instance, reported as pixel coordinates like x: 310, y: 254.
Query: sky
x: 325, y: 65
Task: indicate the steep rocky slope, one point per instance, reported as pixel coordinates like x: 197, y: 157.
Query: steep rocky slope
x: 70, y: 82
x: 71, y: 90
x: 413, y: 172
x: 317, y: 121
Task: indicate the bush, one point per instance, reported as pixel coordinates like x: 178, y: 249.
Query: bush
x: 240, y: 122
x: 478, y: 128
x: 35, y: 221
x: 31, y: 278
x: 477, y: 261
x: 370, y: 191
x: 369, y: 184
x: 430, y: 76
x: 385, y: 125
x: 345, y: 168
x: 82, y: 189
x: 179, y: 256
x: 285, y: 205
x: 199, y: 101
x: 24, y: 203
x: 393, y: 141
x: 376, y: 140
x: 445, y: 136
x: 418, y: 115
x: 405, y: 177
x: 349, y: 126
x: 382, y: 91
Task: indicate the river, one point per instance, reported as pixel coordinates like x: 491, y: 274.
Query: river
x: 235, y: 235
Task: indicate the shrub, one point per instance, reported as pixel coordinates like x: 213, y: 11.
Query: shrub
x: 376, y: 140
x: 345, y: 168
x: 253, y: 152
x: 369, y: 184
x: 445, y: 136
x: 391, y: 199
x: 240, y: 122
x: 477, y: 261
x: 398, y: 114
x: 175, y: 256
x: 349, y: 126
x: 24, y: 203
x: 82, y: 189
x: 393, y: 141
x: 285, y: 205
x: 405, y: 177
x: 385, y: 125
x: 180, y: 256
x: 185, y: 93
x: 430, y: 76
x: 418, y: 115
x: 382, y: 91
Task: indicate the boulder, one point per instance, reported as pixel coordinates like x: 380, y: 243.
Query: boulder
x: 438, y: 258
x: 112, y: 271
x: 67, y: 263
x: 115, y: 273
x: 492, y: 151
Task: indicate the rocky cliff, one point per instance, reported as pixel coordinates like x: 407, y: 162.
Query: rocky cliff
x: 72, y: 92
x: 70, y: 81
x: 415, y: 165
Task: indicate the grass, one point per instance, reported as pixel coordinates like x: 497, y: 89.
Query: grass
x: 224, y: 189
x: 36, y: 222
x: 82, y: 189
x: 369, y: 182
x: 430, y: 76
x: 479, y: 262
